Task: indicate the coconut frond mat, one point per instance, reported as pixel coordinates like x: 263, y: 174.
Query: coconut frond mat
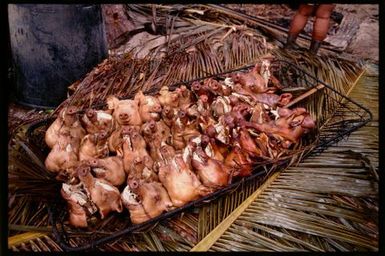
x: 29, y: 219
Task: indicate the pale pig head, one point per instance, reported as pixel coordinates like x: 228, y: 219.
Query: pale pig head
x: 149, y: 107
x: 125, y: 112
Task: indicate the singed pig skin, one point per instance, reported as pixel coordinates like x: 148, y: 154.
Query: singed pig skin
x: 212, y: 173
x: 239, y: 162
x: 109, y: 169
x: 68, y: 120
x: 291, y: 125
x: 94, y: 146
x: 142, y: 168
x: 168, y: 98
x: 186, y: 98
x: 133, y: 146
x: 156, y: 134
x: 77, y: 214
x: 96, y: 121
x: 183, y: 130
x: 62, y: 156
x: 115, y: 141
x: 252, y: 81
x: 248, y: 144
x: 137, y: 213
x: 181, y: 183
x: 105, y: 196
x: 153, y: 196
x: 168, y: 115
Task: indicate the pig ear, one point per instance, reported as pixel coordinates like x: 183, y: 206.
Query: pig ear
x: 112, y: 102
x: 139, y: 96
x: 119, y: 206
x: 136, y: 102
x: 257, y: 68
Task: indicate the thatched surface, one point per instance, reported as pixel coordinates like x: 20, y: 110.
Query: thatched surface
x: 123, y: 76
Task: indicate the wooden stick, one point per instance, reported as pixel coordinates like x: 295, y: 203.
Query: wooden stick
x: 305, y: 95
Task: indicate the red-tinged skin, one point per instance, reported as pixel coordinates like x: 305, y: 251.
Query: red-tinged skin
x: 105, y: 196
x: 205, y: 121
x: 238, y: 161
x: 238, y: 88
x: 92, y: 122
x: 153, y: 196
x: 291, y: 125
x: 211, y: 172
x: 248, y: 144
x: 94, y: 146
x: 241, y: 111
x: 274, y: 81
x: 77, y: 215
x: 211, y: 142
x: 125, y: 112
x: 250, y: 81
x: 258, y: 114
x: 149, y: 107
x: 214, y: 86
x: 220, y: 107
x: 202, y: 89
x: 110, y: 169
x: 137, y: 213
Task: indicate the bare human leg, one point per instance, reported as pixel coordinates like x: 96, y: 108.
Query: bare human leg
x: 321, y: 26
x: 298, y: 23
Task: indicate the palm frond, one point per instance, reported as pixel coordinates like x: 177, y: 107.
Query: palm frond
x: 327, y: 203
x: 308, y: 200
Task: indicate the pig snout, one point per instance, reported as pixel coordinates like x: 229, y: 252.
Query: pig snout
x: 124, y: 116
x: 157, y: 108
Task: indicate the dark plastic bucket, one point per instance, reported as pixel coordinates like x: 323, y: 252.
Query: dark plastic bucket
x: 53, y: 45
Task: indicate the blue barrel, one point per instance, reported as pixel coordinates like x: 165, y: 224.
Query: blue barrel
x: 53, y: 45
